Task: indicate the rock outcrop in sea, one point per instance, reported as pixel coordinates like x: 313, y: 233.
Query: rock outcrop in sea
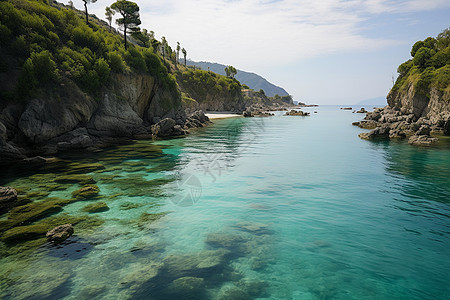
x: 409, y: 115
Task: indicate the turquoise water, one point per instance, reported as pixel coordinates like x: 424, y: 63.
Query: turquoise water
x: 259, y: 208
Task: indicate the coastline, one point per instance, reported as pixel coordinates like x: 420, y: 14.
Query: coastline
x: 221, y: 115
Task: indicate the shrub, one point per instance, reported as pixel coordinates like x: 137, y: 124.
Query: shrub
x: 20, y: 47
x: 44, y: 66
x: 103, y: 70
x: 422, y: 57
x: 416, y: 47
x: 135, y: 59
x: 422, y: 86
x: 27, y: 81
x: 116, y: 62
x: 404, y: 68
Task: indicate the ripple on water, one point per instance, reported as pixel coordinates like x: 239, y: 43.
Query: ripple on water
x: 290, y: 208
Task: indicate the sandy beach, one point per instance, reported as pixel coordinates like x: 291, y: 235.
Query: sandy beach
x: 221, y: 115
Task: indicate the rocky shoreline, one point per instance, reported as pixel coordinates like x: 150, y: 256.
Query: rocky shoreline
x: 392, y: 123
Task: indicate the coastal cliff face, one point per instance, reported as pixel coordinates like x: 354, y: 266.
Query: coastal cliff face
x: 69, y: 118
x: 419, y: 102
x: 434, y: 108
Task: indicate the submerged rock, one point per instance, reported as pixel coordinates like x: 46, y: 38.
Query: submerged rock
x: 44, y: 281
x: 25, y: 214
x: 86, y: 192
x: 8, y: 198
x: 200, y: 264
x: 96, y: 207
x: 24, y: 233
x: 59, y: 233
x: 187, y: 287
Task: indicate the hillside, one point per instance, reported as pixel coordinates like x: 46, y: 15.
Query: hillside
x: 254, y: 81
x: 419, y: 103
x: 423, y: 84
x: 66, y: 84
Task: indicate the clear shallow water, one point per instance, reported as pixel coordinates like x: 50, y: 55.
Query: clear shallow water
x: 303, y: 208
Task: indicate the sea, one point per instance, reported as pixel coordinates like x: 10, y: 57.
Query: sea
x: 280, y: 207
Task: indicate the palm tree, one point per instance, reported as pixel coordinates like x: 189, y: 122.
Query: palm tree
x: 185, y: 54
x: 178, y: 52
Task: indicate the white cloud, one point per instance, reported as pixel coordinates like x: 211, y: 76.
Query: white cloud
x: 267, y: 36
x: 252, y: 33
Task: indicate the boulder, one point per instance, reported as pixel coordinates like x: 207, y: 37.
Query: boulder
x: 247, y: 113
x: 379, y: 132
x: 362, y: 111
x: 422, y: 140
x: 167, y: 127
x: 8, y: 198
x: 197, y: 119
x: 60, y: 233
x: 296, y: 113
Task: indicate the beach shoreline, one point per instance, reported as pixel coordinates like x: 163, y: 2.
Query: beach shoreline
x: 221, y: 115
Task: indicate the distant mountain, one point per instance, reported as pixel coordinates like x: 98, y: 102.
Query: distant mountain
x: 254, y: 81
x: 374, y: 101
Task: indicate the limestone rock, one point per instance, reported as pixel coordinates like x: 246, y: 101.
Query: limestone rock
x: 60, y: 233
x: 8, y: 198
x: 362, y: 111
x: 115, y: 117
x: 379, y: 132
x: 44, y: 119
x: 424, y: 130
x: 422, y: 140
x: 167, y: 127
x: 296, y: 113
x: 197, y: 119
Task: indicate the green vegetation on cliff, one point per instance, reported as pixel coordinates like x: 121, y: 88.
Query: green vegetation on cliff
x: 429, y: 68
x: 199, y: 84
x: 41, y: 43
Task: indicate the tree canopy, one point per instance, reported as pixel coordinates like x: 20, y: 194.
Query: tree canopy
x: 109, y: 15
x: 130, y: 16
x: 231, y: 71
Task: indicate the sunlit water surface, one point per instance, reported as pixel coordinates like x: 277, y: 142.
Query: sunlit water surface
x: 248, y: 208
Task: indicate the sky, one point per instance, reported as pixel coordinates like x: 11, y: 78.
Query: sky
x: 319, y: 51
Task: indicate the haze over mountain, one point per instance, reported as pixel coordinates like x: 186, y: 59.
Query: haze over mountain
x: 254, y: 81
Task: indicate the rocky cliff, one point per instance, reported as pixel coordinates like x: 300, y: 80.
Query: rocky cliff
x: 70, y: 119
x: 419, y: 103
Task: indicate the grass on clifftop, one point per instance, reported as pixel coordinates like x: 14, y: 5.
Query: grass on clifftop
x: 429, y: 68
x: 42, y: 42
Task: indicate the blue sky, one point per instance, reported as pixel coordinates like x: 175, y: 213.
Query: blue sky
x: 323, y: 51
